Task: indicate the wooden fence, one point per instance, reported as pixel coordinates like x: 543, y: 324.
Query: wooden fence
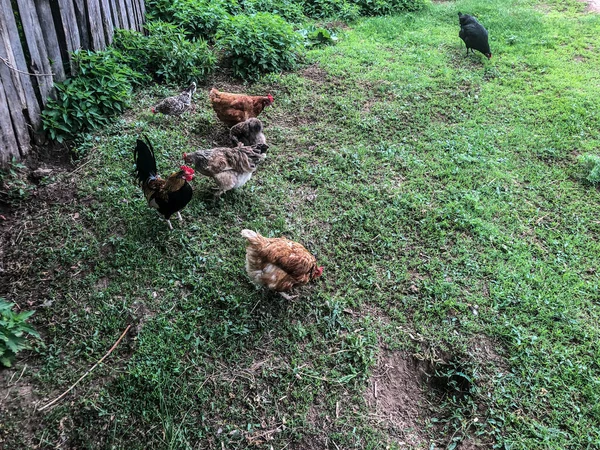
x: 36, y: 41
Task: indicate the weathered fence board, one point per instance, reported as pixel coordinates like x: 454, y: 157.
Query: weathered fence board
x: 39, y: 62
x: 107, y: 21
x: 69, y: 26
x: 36, y: 43
x: 139, y: 15
x: 16, y: 58
x: 134, y: 12
x: 123, y: 15
x: 130, y: 15
x: 82, y: 23
x: 115, y: 14
x: 50, y: 38
x: 11, y: 92
x: 8, y: 142
x: 95, y: 21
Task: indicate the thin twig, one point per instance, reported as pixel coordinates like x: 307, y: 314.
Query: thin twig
x: 9, y: 65
x: 88, y: 372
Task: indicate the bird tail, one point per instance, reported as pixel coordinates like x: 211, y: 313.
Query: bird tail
x: 253, y: 237
x: 145, y: 163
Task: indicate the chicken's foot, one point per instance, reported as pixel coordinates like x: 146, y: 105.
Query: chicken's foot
x: 288, y: 296
x: 179, y: 216
x: 169, y: 223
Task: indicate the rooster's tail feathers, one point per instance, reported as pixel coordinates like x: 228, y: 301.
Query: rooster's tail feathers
x: 144, y: 160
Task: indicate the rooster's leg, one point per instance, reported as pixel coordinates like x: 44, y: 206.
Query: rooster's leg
x: 287, y: 296
x: 179, y: 216
x: 169, y: 223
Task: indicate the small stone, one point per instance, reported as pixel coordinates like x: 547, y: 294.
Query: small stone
x: 41, y: 173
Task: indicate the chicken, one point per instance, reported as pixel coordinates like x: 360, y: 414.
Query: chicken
x: 249, y: 132
x: 167, y: 196
x: 474, y: 35
x: 278, y: 263
x: 178, y: 104
x: 229, y: 167
x: 232, y: 109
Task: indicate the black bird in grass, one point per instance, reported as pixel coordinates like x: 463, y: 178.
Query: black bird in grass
x: 474, y: 35
x: 168, y: 196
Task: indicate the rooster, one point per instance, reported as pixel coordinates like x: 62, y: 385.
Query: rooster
x: 248, y: 132
x: 229, y: 167
x: 167, y: 196
x: 474, y: 35
x: 232, y: 109
x: 178, y: 104
x: 278, y: 263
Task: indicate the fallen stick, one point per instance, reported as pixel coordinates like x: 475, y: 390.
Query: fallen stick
x: 88, y: 372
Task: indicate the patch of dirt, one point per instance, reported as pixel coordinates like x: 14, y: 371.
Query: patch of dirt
x: 396, y: 397
x: 484, y: 349
x: 315, y: 73
x: 17, y: 402
x: 311, y: 443
x: 50, y: 155
x: 593, y: 5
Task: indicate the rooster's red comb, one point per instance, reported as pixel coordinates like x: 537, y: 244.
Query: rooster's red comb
x: 270, y: 97
x: 187, y: 170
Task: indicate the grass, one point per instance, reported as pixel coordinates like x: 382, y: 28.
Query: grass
x: 431, y: 186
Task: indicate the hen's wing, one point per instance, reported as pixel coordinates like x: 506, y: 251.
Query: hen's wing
x: 286, y: 255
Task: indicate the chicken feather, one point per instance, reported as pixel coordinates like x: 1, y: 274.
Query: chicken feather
x: 278, y: 263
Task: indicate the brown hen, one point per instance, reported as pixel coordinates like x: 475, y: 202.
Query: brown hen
x: 278, y: 263
x: 232, y: 109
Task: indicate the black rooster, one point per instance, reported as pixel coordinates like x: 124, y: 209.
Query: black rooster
x: 474, y: 35
x: 167, y: 196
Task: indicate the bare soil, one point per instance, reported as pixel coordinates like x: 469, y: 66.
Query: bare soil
x: 593, y: 5
x: 395, y: 395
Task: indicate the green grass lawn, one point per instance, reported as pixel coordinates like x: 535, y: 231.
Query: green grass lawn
x: 459, y: 305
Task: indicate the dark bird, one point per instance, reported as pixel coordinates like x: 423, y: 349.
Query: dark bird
x: 249, y: 132
x: 167, y: 196
x: 178, y: 104
x: 474, y: 35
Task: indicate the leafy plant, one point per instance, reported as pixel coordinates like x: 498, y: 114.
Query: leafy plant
x: 383, y: 7
x: 258, y: 44
x: 166, y: 10
x: 292, y: 11
x: 100, y: 89
x: 166, y: 53
x: 13, y: 186
x: 200, y: 18
x: 338, y: 9
x: 590, y: 168
x: 317, y: 36
x: 13, y: 331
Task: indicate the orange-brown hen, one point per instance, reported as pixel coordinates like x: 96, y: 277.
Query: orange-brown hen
x: 232, y: 109
x: 278, y: 263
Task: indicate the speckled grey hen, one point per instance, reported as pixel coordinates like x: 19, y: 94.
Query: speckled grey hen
x: 178, y: 104
x: 231, y: 168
